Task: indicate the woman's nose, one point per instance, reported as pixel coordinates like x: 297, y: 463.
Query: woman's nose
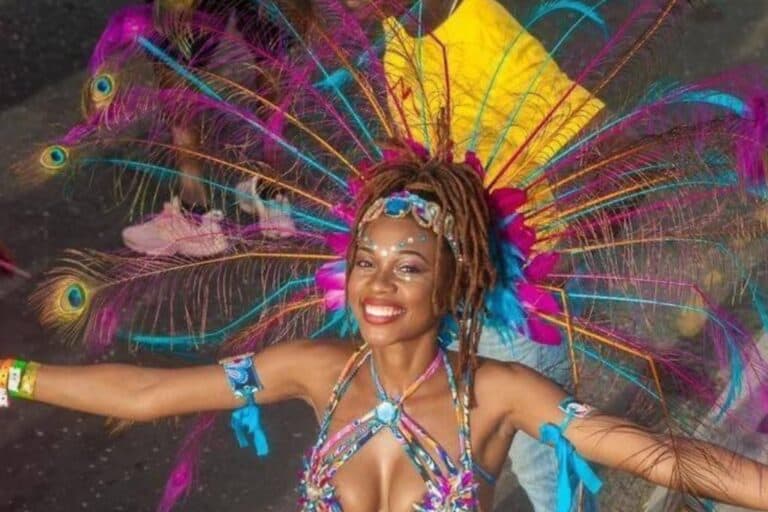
x: 383, y: 280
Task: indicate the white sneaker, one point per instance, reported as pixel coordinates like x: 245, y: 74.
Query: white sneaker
x: 274, y: 215
x: 249, y: 193
x: 172, y: 232
x: 208, y: 238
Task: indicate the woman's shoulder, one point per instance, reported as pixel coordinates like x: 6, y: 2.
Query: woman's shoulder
x: 325, y: 355
x: 493, y: 371
x: 325, y: 346
x: 500, y: 384
x: 320, y: 363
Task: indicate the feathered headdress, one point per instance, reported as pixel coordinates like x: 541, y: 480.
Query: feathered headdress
x: 602, y: 216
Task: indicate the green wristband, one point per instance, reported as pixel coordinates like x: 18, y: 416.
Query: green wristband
x: 28, y: 381
x: 15, y: 375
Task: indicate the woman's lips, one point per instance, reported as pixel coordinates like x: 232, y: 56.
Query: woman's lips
x: 379, y: 312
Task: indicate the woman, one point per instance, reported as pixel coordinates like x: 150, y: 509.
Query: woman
x: 422, y: 251
x: 299, y: 284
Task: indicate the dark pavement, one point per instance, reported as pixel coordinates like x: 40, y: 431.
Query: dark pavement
x: 54, y: 460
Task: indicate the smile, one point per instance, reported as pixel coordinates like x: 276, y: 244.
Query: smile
x: 378, y: 313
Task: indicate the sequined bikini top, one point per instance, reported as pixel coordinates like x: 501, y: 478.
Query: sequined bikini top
x: 451, y: 486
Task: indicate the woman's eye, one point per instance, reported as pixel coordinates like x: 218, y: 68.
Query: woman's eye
x: 363, y: 264
x: 409, y: 269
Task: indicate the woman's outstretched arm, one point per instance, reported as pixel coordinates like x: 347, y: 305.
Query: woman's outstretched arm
x: 143, y: 394
x: 689, y: 465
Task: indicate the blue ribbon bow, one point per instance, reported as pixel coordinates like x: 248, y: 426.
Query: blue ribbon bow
x: 571, y: 467
x: 246, y: 421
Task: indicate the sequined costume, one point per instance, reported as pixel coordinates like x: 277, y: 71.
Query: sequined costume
x: 450, y: 484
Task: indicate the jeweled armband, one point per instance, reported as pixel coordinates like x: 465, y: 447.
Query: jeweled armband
x: 573, y: 409
x: 246, y: 421
x: 242, y: 376
x: 572, y: 468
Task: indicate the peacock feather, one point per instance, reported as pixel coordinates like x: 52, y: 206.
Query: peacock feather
x: 616, y: 201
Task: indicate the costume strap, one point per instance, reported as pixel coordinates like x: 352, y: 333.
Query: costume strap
x: 406, y: 430
x: 350, y: 370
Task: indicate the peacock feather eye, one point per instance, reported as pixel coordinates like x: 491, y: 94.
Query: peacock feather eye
x: 54, y: 157
x: 102, y: 88
x: 74, y: 296
x: 64, y: 301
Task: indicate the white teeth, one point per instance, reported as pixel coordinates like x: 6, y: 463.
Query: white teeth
x: 382, y: 311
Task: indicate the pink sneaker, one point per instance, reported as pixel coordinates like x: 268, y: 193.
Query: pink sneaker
x: 172, y: 232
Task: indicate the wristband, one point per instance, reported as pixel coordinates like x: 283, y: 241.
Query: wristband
x: 5, y: 367
x: 14, y: 376
x: 28, y: 381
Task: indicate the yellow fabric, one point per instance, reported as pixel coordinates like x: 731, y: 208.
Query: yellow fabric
x: 475, y: 40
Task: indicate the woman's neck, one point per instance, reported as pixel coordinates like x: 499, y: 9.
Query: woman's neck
x: 399, y: 365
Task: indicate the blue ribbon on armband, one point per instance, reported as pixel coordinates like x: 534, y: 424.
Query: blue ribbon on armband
x: 571, y: 467
x: 246, y: 422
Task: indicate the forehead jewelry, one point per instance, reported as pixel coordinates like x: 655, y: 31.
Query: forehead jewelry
x: 427, y: 214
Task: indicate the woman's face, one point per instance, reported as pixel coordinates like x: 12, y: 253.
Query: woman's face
x: 391, y: 282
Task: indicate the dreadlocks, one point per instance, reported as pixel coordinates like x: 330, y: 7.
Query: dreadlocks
x: 459, y: 190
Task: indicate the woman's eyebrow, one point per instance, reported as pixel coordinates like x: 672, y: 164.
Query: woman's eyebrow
x: 372, y: 250
x: 414, y: 253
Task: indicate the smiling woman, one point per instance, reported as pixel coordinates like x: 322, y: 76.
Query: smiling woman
x: 416, y: 276
x: 501, y: 207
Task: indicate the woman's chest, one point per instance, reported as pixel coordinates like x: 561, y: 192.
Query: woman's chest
x: 381, y: 465
x: 380, y: 477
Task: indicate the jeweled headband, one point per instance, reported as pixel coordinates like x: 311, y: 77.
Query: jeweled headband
x: 427, y: 214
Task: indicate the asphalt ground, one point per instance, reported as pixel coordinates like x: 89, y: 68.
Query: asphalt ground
x: 55, y: 460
